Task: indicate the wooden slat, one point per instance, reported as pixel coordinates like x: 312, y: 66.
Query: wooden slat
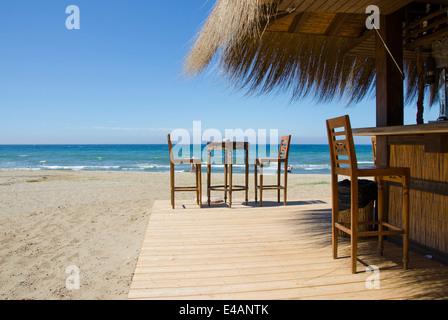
x: 280, y: 252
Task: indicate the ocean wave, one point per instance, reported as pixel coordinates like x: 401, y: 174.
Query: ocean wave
x: 152, y: 158
x: 79, y: 168
x: 312, y: 166
x: 151, y: 166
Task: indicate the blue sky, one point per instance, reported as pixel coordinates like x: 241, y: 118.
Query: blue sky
x: 117, y: 79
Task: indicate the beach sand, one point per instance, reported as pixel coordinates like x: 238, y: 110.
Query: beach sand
x: 51, y: 220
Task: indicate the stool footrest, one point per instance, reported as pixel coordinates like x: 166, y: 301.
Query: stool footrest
x: 272, y: 187
x: 394, y: 230
x: 185, y: 188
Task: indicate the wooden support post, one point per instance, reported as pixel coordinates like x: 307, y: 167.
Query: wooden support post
x: 421, y: 87
x: 389, y: 86
x: 389, y: 81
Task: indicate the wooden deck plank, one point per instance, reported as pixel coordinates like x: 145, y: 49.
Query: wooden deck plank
x: 276, y: 252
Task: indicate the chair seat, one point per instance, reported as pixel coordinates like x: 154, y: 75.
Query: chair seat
x: 380, y: 171
x: 259, y: 161
x: 376, y: 171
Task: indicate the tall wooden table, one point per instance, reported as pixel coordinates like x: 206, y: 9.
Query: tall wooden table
x: 228, y: 147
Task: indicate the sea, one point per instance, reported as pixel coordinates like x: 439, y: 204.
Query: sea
x: 303, y: 158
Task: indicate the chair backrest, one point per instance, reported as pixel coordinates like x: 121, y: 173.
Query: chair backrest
x: 170, y: 147
x: 283, y: 152
x: 342, y: 147
x: 374, y: 150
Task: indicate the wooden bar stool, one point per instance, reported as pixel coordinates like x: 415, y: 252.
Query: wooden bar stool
x: 192, y: 161
x: 283, y: 155
x: 343, y: 162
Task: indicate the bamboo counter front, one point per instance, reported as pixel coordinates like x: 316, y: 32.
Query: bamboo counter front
x: 424, y: 149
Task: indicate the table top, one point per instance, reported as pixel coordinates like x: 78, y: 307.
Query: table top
x: 235, y: 145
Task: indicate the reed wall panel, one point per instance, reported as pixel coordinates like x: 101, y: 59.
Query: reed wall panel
x: 428, y: 211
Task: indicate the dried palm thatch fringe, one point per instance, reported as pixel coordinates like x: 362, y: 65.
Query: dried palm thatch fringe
x: 229, y: 22
x: 263, y: 62
x: 412, y: 84
x: 302, y: 64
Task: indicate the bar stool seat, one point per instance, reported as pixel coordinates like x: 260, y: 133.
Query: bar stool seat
x: 343, y: 162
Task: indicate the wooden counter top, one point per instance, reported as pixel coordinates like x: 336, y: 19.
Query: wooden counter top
x: 439, y: 127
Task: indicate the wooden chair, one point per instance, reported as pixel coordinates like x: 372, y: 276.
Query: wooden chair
x: 343, y: 162
x: 283, y: 155
x: 192, y: 161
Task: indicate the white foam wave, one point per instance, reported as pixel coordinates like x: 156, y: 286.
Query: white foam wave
x: 79, y: 168
x: 151, y: 166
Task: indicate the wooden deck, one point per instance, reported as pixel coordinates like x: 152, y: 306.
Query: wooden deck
x: 269, y: 253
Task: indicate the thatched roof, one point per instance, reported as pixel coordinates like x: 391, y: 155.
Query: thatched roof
x: 305, y: 48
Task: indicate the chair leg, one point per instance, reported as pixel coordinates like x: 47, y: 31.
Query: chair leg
x: 261, y: 185
x: 354, y: 222
x: 279, y: 170
x: 172, y: 184
x: 209, y: 169
x: 230, y: 184
x: 255, y: 179
x: 285, y: 191
x: 334, y: 205
x: 406, y: 223
x: 225, y: 182
x: 197, y: 184
x: 246, y: 177
x: 199, y: 172
x: 380, y: 215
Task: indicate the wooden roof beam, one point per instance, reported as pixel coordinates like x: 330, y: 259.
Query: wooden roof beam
x: 298, y: 22
x: 337, y: 24
x: 368, y: 34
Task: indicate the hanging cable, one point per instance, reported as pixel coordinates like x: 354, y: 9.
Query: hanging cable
x: 387, y: 48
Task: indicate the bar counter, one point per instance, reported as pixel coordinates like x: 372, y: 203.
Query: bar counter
x: 424, y: 149
x: 429, y: 128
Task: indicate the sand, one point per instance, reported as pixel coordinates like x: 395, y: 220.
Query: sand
x: 52, y: 220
